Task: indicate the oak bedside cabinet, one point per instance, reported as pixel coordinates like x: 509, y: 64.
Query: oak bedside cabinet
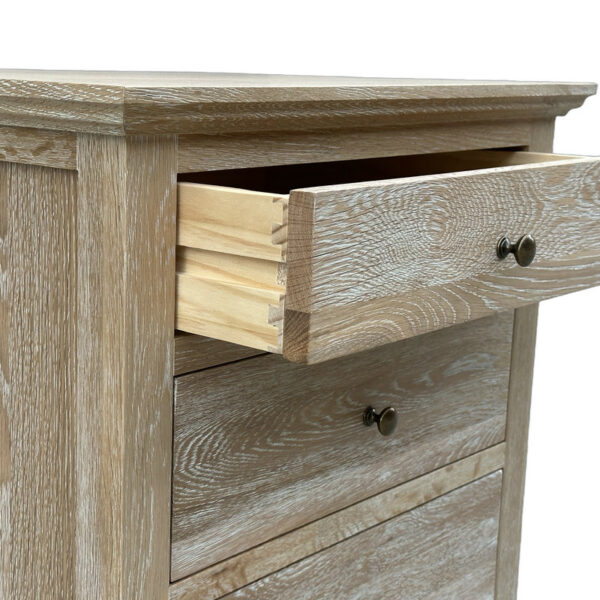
x: 268, y: 337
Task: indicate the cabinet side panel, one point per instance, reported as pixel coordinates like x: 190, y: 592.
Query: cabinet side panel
x: 37, y: 381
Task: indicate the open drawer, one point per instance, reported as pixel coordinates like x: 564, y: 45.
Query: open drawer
x: 388, y: 249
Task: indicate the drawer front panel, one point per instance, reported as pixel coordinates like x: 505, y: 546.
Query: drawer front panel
x: 382, y: 261
x: 264, y: 446
x: 443, y: 549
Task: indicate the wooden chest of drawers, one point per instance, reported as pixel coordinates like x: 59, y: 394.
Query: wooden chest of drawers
x: 172, y: 246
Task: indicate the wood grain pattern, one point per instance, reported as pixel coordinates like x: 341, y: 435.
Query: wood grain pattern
x: 38, y: 374
x: 232, y: 221
x: 36, y: 147
x: 247, y: 567
x: 440, y: 225
x: 372, y: 263
x: 262, y: 149
x: 230, y: 267
x: 195, y: 352
x: 375, y: 262
x: 519, y: 401
x: 86, y: 290
x: 542, y: 136
x: 125, y: 308
x: 231, y: 271
x: 5, y: 456
x: 214, y: 103
x: 443, y: 549
x: 247, y: 315
x: 307, y: 452
x: 517, y: 431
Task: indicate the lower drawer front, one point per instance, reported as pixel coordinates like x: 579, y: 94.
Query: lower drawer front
x: 264, y: 446
x: 443, y: 549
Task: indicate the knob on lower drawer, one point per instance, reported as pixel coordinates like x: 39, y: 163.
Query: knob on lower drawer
x: 523, y: 249
x: 387, y: 419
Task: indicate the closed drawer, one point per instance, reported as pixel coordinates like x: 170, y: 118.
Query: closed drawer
x: 264, y: 446
x: 322, y: 272
x: 445, y: 549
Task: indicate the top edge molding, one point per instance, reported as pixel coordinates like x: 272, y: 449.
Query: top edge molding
x: 144, y: 103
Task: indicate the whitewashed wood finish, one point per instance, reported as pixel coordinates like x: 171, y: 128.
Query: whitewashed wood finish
x: 125, y: 308
x: 5, y: 458
x: 195, y: 352
x: 443, y: 549
x: 517, y: 431
x: 36, y: 358
x: 86, y: 333
x: 34, y: 147
x: 38, y: 380
x: 373, y: 263
x: 213, y: 103
x: 384, y: 237
x: 247, y: 567
x: 306, y: 452
x: 542, y: 136
x: 261, y: 149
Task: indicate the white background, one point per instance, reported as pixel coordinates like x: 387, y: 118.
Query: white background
x: 453, y: 39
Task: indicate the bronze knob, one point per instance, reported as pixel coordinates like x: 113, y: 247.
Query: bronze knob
x: 523, y: 249
x: 386, y: 420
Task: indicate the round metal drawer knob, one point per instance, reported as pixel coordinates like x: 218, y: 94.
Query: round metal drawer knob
x: 523, y: 249
x: 387, y: 419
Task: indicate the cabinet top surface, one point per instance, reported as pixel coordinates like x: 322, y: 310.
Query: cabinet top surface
x: 166, y: 103
x: 155, y: 79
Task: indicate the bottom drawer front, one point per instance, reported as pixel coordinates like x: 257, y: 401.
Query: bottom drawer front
x: 443, y: 549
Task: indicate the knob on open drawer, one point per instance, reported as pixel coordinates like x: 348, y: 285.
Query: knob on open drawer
x: 524, y: 249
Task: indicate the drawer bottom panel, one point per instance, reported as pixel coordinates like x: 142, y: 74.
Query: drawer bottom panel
x: 443, y: 549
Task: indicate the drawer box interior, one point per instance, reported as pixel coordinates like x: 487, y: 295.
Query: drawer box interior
x: 244, y: 269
